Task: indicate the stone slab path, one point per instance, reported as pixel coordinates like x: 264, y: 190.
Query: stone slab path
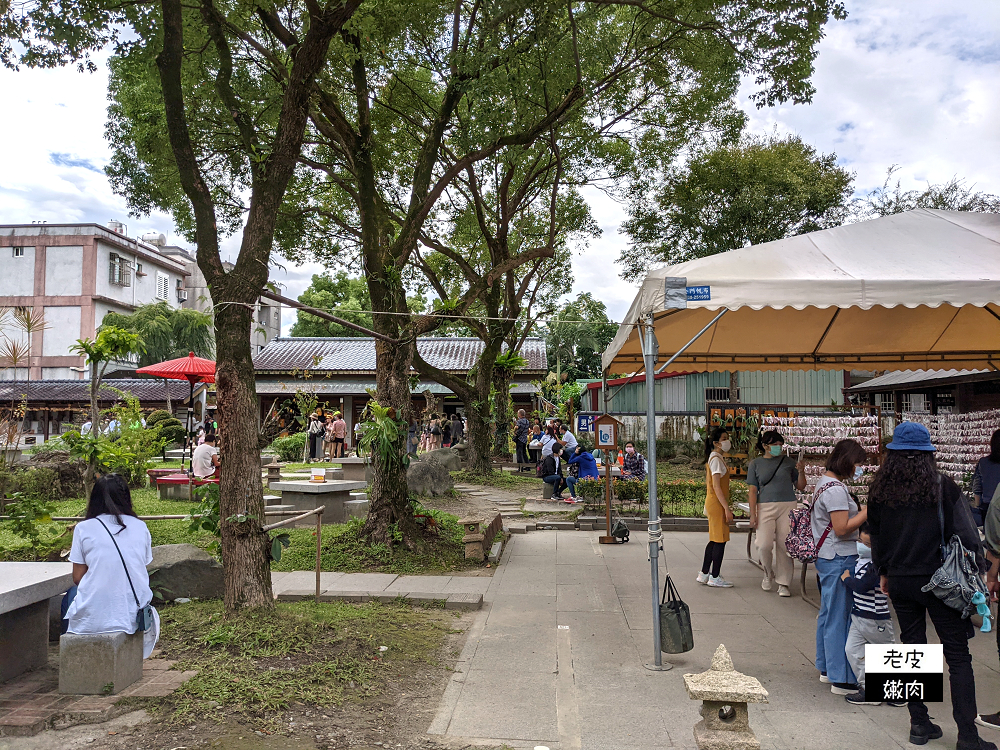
x: 556, y: 656
x: 458, y: 592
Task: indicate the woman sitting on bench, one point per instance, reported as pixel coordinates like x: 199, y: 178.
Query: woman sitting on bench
x: 552, y: 471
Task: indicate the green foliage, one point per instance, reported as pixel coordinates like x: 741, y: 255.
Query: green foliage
x: 574, y: 348
x: 344, y: 296
x: 208, y: 510
x: 171, y: 431
x: 37, y: 483
x: 953, y: 195
x: 166, y: 332
x: 590, y: 489
x: 158, y: 415
x: 631, y: 491
x: 29, y: 518
x: 111, y: 343
x: 289, y: 448
x: 730, y: 195
x: 132, y: 452
x: 382, y: 435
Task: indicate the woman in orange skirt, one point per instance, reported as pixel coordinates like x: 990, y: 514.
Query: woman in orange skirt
x: 717, y: 445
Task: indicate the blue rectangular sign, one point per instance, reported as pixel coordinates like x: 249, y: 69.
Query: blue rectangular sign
x: 584, y: 422
x: 699, y: 293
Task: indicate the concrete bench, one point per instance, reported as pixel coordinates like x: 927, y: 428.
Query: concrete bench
x: 155, y: 474
x: 99, y: 663
x: 175, y: 486
x: 25, y: 590
x: 355, y: 469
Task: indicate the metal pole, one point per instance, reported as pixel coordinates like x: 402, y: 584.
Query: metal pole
x: 650, y: 352
x: 319, y: 546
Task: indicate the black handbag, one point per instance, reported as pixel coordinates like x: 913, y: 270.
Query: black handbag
x: 144, y: 617
x: 676, y: 635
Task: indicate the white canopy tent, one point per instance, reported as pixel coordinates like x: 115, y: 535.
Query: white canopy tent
x: 917, y: 290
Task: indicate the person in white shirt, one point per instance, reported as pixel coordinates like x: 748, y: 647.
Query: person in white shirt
x: 85, y: 427
x: 104, y: 600
x: 205, y: 461
x: 567, y: 440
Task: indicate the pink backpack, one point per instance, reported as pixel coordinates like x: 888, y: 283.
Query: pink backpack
x: 800, y: 543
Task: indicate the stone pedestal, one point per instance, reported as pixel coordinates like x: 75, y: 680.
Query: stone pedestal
x: 99, y: 663
x: 474, y: 538
x: 307, y: 495
x: 355, y: 469
x: 724, y: 694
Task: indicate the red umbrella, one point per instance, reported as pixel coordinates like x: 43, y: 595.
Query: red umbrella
x: 190, y: 368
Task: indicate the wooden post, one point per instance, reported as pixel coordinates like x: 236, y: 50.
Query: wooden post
x: 319, y: 541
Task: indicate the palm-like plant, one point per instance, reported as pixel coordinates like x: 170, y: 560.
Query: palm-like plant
x: 167, y: 333
x: 17, y: 326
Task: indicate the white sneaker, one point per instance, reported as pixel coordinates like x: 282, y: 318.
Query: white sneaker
x: 702, y: 578
x: 719, y: 582
x: 823, y: 678
x: 766, y: 583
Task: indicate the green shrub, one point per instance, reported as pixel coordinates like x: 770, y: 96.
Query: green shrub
x: 290, y: 448
x: 590, y: 489
x: 38, y: 484
x: 158, y: 416
x: 171, y: 430
x: 681, y: 497
x: 631, y: 490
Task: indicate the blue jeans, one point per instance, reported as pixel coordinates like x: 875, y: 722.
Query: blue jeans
x: 834, y: 621
x: 571, y: 482
x: 556, y: 481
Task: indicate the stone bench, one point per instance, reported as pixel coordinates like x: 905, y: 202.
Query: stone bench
x: 175, y: 486
x: 355, y: 469
x: 25, y: 590
x: 99, y: 663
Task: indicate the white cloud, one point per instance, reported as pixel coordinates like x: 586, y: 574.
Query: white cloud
x: 907, y: 82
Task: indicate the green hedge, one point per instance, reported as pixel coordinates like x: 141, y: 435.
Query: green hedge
x: 289, y: 449
x: 678, y: 497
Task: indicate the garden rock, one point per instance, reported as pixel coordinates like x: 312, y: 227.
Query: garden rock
x: 450, y: 459
x: 679, y: 460
x: 184, y: 571
x: 69, y: 471
x: 428, y: 478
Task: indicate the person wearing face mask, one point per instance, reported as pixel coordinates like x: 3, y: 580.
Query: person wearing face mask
x: 633, y: 465
x: 836, y: 517
x: 772, y: 480
x: 717, y: 445
x: 870, y: 620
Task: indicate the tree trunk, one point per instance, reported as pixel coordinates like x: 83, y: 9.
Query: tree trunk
x: 388, y: 499
x: 245, y: 556
x: 501, y: 413
x: 479, y: 437
x: 734, y: 386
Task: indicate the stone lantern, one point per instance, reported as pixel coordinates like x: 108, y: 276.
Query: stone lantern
x: 474, y: 538
x: 724, y: 693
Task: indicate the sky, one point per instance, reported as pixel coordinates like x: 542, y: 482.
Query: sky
x: 900, y: 82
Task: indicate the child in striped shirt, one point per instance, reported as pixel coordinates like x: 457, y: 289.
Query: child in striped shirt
x: 870, y: 620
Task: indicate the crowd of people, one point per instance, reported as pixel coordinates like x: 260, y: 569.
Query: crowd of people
x: 869, y: 556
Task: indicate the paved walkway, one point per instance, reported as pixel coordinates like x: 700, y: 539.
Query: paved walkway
x: 458, y: 592
x: 556, y: 656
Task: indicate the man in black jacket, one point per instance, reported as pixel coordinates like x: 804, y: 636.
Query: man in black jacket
x: 552, y: 471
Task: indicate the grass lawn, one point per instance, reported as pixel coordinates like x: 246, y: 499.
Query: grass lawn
x: 259, y: 663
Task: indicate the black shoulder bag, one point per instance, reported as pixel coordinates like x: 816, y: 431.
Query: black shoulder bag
x: 144, y: 617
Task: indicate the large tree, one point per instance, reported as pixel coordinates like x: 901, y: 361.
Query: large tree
x: 339, y: 293
x: 431, y: 92
x: 210, y: 105
x: 576, y: 335
x: 729, y: 195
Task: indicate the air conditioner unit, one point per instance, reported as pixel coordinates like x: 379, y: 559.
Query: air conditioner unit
x: 182, y: 295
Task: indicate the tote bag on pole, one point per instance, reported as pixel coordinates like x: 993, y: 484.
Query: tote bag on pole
x: 676, y: 635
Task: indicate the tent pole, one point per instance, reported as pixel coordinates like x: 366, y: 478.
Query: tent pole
x: 650, y: 353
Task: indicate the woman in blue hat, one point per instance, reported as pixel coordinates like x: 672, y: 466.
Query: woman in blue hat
x: 906, y: 546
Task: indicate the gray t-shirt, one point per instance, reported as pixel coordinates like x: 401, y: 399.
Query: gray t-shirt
x: 780, y: 489
x: 833, y: 499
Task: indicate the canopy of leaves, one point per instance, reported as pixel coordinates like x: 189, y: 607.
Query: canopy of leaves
x: 166, y: 332
x: 577, y: 335
x: 344, y: 296
x: 953, y: 195
x: 731, y: 195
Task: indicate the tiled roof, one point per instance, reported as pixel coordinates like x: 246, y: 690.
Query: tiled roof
x: 144, y: 389
x: 357, y: 388
x: 357, y: 355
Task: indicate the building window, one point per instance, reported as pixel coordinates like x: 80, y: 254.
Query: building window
x: 120, y: 270
x: 887, y: 402
x: 719, y: 394
x: 18, y: 252
x: 162, y: 286
x: 915, y: 402
x: 138, y: 270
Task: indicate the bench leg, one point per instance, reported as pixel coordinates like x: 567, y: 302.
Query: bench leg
x: 24, y: 639
x: 802, y: 586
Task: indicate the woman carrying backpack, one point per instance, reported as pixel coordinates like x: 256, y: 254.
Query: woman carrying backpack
x: 905, y: 497
x: 836, y: 517
x: 772, y: 480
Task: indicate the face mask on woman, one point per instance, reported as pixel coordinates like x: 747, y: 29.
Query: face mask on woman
x: 629, y: 449
x: 725, y: 445
x: 775, y: 450
x: 858, y: 471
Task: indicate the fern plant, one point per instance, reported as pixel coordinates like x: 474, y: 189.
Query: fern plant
x: 382, y: 434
